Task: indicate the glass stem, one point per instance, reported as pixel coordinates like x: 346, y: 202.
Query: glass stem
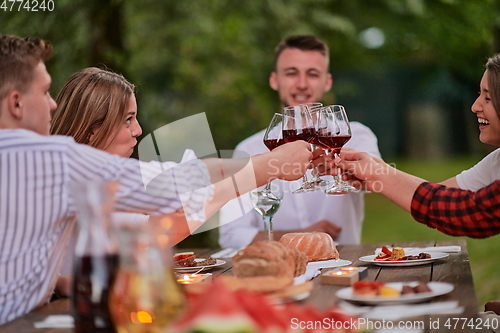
x: 338, y: 177
x: 267, y: 188
x: 268, y: 227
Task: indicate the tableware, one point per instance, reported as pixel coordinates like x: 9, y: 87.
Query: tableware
x: 328, y: 263
x: 199, y: 268
x: 334, y: 130
x: 295, y: 298
x: 401, y: 263
x: 96, y: 259
x: 316, y: 182
x: 446, y: 248
x: 146, y: 296
x: 438, y: 289
x: 273, y: 138
x: 298, y: 125
x: 267, y: 204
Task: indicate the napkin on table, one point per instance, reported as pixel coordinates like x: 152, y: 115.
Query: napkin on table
x: 311, y: 273
x: 225, y: 253
x: 448, y: 249
x: 56, y: 321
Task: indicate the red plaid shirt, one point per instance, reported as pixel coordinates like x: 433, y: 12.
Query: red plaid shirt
x: 458, y: 212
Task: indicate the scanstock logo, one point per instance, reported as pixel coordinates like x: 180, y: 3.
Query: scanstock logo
x: 179, y: 142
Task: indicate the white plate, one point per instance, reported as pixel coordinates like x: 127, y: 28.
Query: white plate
x: 434, y: 256
x: 298, y: 297
x: 438, y: 289
x: 199, y: 268
x: 328, y: 263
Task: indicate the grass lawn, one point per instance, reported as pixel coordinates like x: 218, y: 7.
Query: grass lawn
x: 386, y: 222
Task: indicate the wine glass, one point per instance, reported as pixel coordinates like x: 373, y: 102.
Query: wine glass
x: 273, y: 138
x: 333, y: 132
x: 267, y: 205
x: 298, y: 125
x: 316, y: 182
x: 146, y: 296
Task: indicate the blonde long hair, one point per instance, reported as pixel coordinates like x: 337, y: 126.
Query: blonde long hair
x: 92, y: 99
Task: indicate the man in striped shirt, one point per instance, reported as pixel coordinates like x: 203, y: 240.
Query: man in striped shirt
x: 36, y: 170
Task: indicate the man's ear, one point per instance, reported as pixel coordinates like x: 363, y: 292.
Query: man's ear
x: 14, y: 104
x: 329, y: 82
x: 273, y: 81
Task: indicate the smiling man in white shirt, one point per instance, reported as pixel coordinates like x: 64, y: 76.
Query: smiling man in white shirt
x: 301, y: 75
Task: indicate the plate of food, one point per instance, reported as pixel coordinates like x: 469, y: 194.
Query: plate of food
x: 398, y: 257
x: 186, y: 262
x: 374, y: 293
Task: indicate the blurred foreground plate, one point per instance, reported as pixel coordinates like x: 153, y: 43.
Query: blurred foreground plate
x: 199, y: 268
x: 438, y: 289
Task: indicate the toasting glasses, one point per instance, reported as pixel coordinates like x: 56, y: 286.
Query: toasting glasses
x: 273, y: 138
x: 316, y: 182
x: 267, y: 200
x: 333, y: 132
x: 298, y: 125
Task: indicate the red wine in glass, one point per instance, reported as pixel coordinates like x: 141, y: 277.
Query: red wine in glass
x: 274, y: 143
x: 306, y: 134
x: 334, y: 142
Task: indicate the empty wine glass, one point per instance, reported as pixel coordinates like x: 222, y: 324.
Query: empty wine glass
x: 333, y: 132
x: 267, y: 205
x: 298, y: 125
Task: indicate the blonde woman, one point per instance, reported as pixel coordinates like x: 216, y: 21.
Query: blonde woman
x: 97, y: 107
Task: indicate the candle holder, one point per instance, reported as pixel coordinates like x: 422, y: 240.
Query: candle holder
x: 187, y: 279
x: 344, y: 276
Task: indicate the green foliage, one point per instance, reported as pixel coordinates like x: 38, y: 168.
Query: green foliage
x: 215, y: 56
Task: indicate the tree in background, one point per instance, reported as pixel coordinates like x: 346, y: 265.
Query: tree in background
x: 214, y: 56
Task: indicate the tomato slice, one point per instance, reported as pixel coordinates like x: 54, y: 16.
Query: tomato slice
x: 385, y: 250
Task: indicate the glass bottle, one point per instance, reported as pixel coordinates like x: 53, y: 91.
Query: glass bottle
x: 146, y: 297
x: 96, y: 258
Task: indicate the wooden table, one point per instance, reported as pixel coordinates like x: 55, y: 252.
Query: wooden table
x: 454, y: 269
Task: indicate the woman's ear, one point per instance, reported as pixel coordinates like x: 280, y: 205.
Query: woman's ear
x: 92, y: 134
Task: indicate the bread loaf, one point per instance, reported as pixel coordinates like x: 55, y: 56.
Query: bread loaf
x: 316, y: 245
x: 269, y: 258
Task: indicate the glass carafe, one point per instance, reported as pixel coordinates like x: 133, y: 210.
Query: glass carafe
x: 146, y: 297
x: 96, y: 258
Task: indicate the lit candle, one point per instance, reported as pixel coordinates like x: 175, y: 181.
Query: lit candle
x: 339, y: 277
x: 194, y: 278
x: 348, y: 268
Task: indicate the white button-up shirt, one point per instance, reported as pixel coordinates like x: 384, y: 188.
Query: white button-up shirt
x: 240, y: 223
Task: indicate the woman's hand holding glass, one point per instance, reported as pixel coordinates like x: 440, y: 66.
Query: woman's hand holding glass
x: 333, y: 132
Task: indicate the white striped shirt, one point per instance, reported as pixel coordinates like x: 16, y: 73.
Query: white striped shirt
x: 36, y: 205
